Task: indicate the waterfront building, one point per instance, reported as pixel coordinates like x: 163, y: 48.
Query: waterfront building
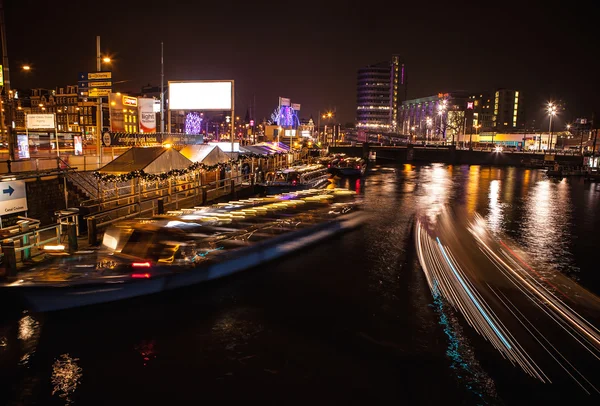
x: 459, y: 113
x: 380, y: 90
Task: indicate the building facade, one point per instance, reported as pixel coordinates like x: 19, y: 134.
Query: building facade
x: 462, y: 114
x: 379, y: 94
x: 508, y: 110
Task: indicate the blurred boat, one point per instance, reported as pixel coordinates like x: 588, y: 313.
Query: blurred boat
x: 295, y: 178
x: 351, y: 166
x: 186, y: 247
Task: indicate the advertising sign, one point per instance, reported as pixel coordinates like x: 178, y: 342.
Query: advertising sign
x: 13, y: 197
x: 284, y: 101
x: 23, y: 146
x: 78, y: 144
x: 40, y: 121
x: 147, y: 116
x: 296, y: 106
x: 130, y: 101
x: 117, y: 121
x: 200, y: 95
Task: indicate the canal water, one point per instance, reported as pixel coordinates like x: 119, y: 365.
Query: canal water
x: 349, y: 321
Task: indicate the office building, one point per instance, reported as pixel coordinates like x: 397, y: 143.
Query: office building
x: 380, y: 91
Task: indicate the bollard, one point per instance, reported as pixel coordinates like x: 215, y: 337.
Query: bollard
x: 92, y: 231
x: 161, y: 206
x: 72, y: 234
x: 10, y: 257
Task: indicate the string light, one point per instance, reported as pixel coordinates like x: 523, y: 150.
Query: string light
x: 173, y: 173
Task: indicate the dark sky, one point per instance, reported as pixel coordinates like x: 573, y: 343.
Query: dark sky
x: 310, y: 51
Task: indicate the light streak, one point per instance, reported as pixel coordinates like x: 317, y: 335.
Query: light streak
x: 475, y: 301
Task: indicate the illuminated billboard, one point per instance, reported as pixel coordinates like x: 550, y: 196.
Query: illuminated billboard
x: 200, y: 95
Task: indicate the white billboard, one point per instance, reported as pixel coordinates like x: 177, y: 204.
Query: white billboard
x: 200, y: 95
x: 40, y: 121
x: 147, y: 116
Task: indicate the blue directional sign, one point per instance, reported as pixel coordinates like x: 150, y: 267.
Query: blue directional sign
x: 13, y: 197
x: 82, y: 85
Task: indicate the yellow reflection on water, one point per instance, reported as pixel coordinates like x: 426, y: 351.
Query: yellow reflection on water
x: 546, y: 223
x: 437, y: 189
x: 29, y: 334
x: 66, y: 376
x: 472, y: 189
x: 495, y: 215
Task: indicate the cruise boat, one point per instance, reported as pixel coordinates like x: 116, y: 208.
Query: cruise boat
x: 294, y: 178
x: 350, y: 166
x: 185, y: 247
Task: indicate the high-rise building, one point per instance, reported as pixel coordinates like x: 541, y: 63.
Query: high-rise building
x: 508, y: 110
x: 380, y: 91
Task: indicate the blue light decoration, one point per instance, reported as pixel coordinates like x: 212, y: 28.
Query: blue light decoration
x: 193, y: 123
x: 285, y: 116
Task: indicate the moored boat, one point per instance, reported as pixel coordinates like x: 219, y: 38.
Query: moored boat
x: 350, y: 166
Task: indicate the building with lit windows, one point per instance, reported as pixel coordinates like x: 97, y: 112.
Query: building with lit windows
x: 508, y: 110
x: 380, y: 91
x: 462, y: 113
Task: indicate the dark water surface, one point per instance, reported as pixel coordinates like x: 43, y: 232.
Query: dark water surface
x: 351, y: 320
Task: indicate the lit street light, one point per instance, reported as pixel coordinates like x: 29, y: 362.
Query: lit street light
x: 26, y: 67
x: 552, y: 111
x: 106, y: 59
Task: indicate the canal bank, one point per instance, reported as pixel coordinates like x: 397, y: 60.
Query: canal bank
x: 451, y: 155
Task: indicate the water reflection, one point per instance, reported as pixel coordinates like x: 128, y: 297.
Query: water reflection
x: 66, y: 376
x: 29, y: 334
x: 495, y: 216
x: 472, y: 188
x: 437, y: 187
x: 546, y: 233
x: 147, y: 350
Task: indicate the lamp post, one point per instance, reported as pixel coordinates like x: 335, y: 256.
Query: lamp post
x: 429, y: 122
x: 551, y: 110
x: 441, y: 111
x: 99, y: 61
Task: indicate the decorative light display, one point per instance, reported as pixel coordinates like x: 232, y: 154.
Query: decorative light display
x: 285, y: 116
x: 193, y: 123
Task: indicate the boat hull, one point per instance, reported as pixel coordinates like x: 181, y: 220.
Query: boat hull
x: 52, y: 298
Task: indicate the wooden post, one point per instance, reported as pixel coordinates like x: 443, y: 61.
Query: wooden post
x: 92, y: 231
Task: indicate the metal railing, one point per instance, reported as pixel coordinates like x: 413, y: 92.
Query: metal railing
x: 28, y: 242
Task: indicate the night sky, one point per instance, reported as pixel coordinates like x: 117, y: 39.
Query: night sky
x: 310, y: 51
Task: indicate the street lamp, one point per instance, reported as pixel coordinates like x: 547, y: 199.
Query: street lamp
x: 26, y: 67
x: 428, y: 121
x: 106, y: 59
x: 441, y: 110
x: 552, y: 111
